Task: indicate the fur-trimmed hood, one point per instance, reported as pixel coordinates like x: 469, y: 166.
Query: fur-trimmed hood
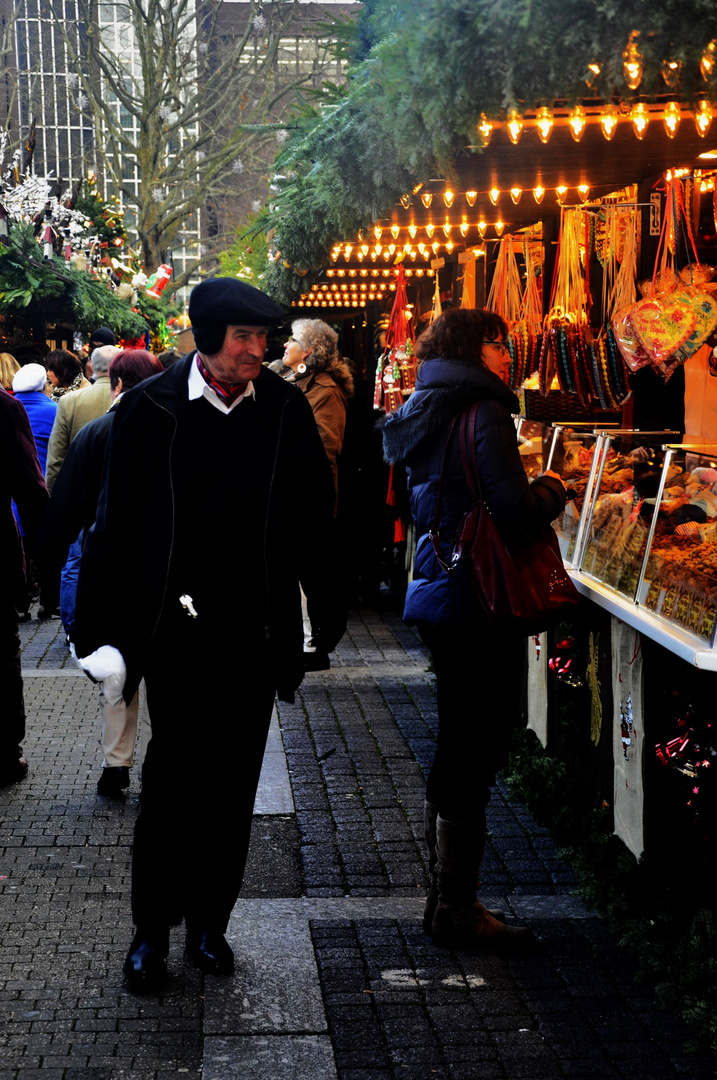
x: 337, y: 370
x: 443, y: 389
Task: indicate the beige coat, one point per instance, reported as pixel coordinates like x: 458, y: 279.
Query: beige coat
x: 73, y: 412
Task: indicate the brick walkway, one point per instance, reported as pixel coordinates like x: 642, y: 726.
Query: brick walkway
x: 334, y: 976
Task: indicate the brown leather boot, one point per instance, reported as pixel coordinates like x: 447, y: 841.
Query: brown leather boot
x: 459, y: 918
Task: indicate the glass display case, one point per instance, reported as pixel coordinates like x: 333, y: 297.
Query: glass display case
x: 679, y: 579
x: 619, y: 519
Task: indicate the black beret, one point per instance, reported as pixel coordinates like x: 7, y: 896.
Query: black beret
x: 221, y: 302
x: 102, y: 336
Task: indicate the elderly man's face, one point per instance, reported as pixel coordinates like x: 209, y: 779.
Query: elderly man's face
x: 240, y: 357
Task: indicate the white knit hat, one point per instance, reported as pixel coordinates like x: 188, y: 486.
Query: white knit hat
x: 30, y: 377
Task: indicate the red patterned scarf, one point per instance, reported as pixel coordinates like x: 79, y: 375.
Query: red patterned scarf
x: 228, y: 392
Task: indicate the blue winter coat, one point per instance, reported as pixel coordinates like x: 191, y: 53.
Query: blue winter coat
x: 416, y: 435
x: 41, y: 413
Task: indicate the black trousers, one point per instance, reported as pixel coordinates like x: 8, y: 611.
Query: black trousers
x: 210, y: 703
x: 12, y: 705
x: 479, y: 683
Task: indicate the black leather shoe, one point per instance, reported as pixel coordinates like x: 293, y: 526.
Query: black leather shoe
x: 113, y: 780
x: 208, y: 951
x: 145, y: 966
x: 12, y: 770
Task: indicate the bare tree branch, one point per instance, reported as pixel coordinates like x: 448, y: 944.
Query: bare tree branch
x: 180, y: 106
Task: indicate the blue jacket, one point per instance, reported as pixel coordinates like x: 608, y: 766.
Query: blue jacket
x: 416, y: 435
x: 41, y: 413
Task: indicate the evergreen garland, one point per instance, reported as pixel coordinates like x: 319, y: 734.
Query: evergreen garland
x: 411, y: 102
x: 27, y: 279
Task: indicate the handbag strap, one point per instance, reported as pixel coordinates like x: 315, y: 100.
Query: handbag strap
x: 467, y: 432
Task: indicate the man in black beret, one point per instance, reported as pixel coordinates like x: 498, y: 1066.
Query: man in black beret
x: 199, y: 506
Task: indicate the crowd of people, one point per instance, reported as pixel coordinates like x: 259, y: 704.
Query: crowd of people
x: 153, y: 500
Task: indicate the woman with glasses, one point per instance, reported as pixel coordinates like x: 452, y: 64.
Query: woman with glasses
x: 463, y: 358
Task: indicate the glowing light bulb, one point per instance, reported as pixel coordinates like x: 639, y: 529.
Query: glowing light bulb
x: 435, y: 246
x: 391, y: 249
x: 347, y: 251
x: 593, y: 75
x: 364, y: 249
x: 671, y: 118
x: 377, y: 231
x: 538, y: 193
x: 464, y: 226
x: 640, y: 119
x: 471, y: 197
x: 427, y: 199
x: 430, y: 229
x: 703, y: 118
x: 608, y: 120
x: 544, y: 122
x: 405, y: 201
x: 422, y: 249
x: 499, y: 226
x: 583, y: 191
x: 482, y: 226
x: 707, y: 63
x: 670, y: 71
x: 485, y: 130
x: 577, y: 121
x: 494, y: 195
x: 448, y: 197
x: 395, y: 231
x: 514, y: 125
x: 412, y: 230
x: 378, y: 249
x: 561, y: 191
x: 515, y: 194
x: 447, y: 228
x: 632, y: 62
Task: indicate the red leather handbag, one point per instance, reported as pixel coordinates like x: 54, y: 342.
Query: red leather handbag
x: 520, y: 581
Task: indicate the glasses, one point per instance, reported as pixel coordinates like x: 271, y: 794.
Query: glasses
x: 500, y: 345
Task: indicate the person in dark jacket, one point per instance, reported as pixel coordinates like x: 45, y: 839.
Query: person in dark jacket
x: 71, y: 512
x: 199, y: 497
x: 463, y: 359
x: 21, y: 481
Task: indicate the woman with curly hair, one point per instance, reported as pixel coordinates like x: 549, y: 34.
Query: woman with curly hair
x: 320, y: 372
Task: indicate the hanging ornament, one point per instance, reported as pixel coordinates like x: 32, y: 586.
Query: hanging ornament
x: 632, y: 62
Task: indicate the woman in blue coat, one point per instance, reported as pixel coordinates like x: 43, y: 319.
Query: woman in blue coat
x: 28, y: 386
x: 463, y: 358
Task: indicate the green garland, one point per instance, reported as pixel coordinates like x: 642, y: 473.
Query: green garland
x: 657, y: 917
x: 411, y: 103
x: 27, y: 279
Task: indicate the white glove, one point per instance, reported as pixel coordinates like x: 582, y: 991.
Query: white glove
x: 106, y: 666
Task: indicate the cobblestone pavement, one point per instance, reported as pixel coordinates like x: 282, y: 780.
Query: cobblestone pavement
x: 334, y: 976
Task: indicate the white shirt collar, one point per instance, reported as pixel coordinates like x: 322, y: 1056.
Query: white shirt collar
x: 199, y: 388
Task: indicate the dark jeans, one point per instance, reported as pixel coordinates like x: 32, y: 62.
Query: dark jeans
x: 210, y: 706
x: 479, y: 683
x: 12, y: 704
